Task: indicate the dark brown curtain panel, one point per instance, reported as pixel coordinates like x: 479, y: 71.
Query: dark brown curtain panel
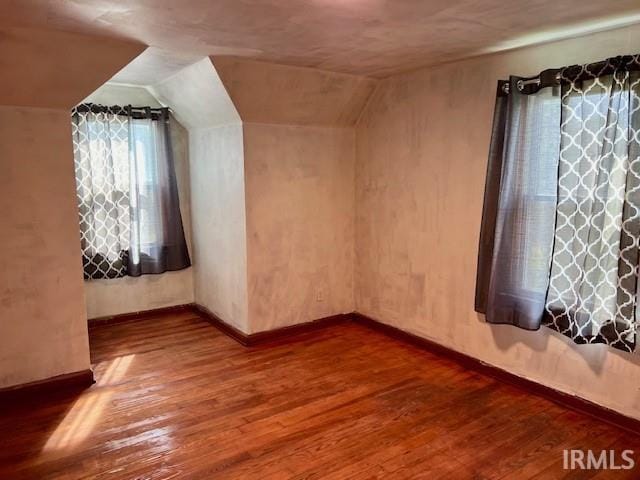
x: 560, y: 230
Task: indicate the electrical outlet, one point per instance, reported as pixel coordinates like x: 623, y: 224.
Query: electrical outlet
x: 319, y: 296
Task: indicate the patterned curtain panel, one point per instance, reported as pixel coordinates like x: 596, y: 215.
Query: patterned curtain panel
x: 101, y: 156
x: 561, y: 220
x: 593, y: 288
x: 130, y: 222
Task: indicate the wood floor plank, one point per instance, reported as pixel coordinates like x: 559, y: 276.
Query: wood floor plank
x: 175, y: 398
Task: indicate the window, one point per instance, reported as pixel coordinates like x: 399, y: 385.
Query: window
x: 130, y: 221
x: 561, y: 224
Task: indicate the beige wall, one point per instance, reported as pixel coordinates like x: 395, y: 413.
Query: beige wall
x: 300, y: 222
x: 135, y: 294
x: 216, y: 164
x: 272, y: 200
x: 299, y: 160
x: 422, y: 150
x: 43, y: 323
x: 43, y: 326
x: 219, y: 226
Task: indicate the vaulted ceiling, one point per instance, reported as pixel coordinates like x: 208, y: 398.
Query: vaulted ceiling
x: 364, y: 37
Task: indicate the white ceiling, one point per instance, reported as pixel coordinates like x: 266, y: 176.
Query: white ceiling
x: 367, y: 37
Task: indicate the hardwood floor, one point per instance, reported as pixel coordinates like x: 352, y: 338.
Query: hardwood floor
x: 175, y: 398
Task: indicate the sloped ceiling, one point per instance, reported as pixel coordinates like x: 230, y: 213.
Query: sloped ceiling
x: 155, y: 65
x: 364, y: 37
x: 271, y: 93
x: 55, y: 69
x: 204, y: 104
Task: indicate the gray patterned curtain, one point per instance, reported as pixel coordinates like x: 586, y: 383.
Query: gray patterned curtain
x: 561, y: 223
x: 130, y: 220
x: 593, y: 285
x: 101, y: 158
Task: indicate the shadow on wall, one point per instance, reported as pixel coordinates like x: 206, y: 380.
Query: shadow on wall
x: 506, y: 337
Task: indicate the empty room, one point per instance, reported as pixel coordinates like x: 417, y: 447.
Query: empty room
x: 319, y: 239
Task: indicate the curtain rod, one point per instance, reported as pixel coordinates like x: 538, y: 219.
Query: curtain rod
x: 536, y: 80
x: 153, y: 109
x: 547, y: 78
x: 553, y: 76
x: 136, y: 112
x: 123, y: 107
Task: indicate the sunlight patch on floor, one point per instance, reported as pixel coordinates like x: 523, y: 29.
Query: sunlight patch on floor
x: 116, y: 370
x: 81, y: 420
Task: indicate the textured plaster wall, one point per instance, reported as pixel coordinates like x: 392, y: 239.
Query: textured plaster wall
x: 421, y: 157
x: 217, y: 186
x: 299, y: 160
x: 219, y: 225
x: 300, y: 222
x: 43, y: 326
x: 272, y: 199
x: 129, y: 294
x: 43, y: 322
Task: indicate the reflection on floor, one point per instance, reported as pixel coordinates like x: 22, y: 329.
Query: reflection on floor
x: 86, y: 411
x: 175, y: 398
